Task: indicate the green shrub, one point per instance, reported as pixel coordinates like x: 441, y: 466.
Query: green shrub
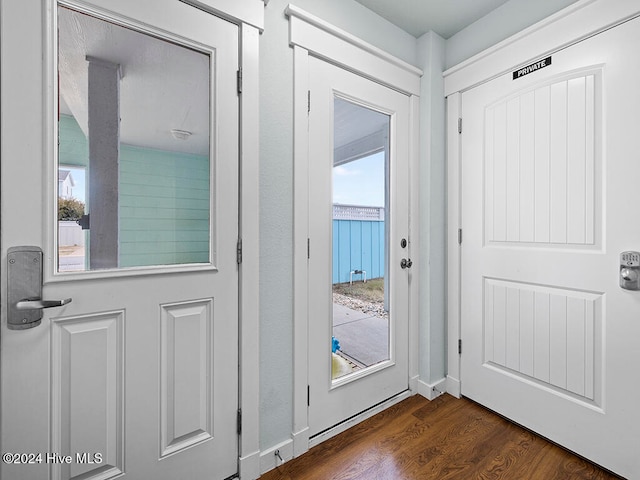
x: 70, y: 209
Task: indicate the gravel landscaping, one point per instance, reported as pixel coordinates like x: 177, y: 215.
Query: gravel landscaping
x: 375, y: 309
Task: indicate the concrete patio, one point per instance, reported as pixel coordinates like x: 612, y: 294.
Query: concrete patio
x: 364, y: 338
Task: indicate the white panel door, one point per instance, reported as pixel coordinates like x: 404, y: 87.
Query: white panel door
x: 137, y: 376
x: 358, y: 129
x: 549, y: 337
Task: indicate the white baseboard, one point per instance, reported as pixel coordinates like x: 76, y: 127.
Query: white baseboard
x: 332, y: 432
x: 413, y: 384
x: 269, y: 460
x: 249, y: 466
x: 453, y: 386
x: 432, y: 390
x: 300, y: 442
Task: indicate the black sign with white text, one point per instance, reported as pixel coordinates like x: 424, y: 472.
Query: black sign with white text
x: 531, y: 68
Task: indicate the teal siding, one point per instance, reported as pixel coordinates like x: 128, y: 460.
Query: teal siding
x: 73, y: 147
x: 357, y: 245
x: 163, y: 200
x: 164, y: 207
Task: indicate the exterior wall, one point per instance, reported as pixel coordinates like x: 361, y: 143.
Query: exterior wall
x: 164, y: 207
x: 357, y: 245
x: 164, y: 200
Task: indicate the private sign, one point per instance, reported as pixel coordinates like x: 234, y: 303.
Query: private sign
x: 532, y: 68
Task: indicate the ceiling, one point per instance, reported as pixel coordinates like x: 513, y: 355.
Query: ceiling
x: 164, y: 86
x: 445, y: 17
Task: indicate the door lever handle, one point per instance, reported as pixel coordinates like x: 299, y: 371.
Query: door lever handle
x: 24, y: 288
x: 405, y: 263
x: 37, y: 304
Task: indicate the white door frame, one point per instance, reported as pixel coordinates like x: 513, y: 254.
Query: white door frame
x: 312, y: 36
x: 567, y: 27
x: 249, y: 16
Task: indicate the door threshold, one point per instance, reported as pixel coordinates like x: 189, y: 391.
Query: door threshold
x: 318, y: 438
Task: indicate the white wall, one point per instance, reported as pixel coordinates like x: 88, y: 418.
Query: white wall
x: 504, y: 21
x: 432, y: 362
x: 276, y: 191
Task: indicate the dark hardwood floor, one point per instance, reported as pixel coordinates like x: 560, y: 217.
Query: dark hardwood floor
x: 443, y: 439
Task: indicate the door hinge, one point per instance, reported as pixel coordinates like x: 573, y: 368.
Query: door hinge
x: 459, y: 236
x: 308, y: 101
x: 308, y: 396
x: 308, y: 248
x: 239, y: 79
x: 459, y: 125
x: 239, y: 422
x: 459, y: 346
x: 239, y: 251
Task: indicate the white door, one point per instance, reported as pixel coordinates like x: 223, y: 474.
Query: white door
x: 549, y: 168
x: 138, y: 374
x: 358, y: 197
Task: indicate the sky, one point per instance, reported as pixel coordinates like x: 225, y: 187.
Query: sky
x: 360, y: 182
x: 78, y: 175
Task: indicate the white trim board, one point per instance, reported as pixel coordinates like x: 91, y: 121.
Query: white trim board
x: 567, y: 27
x: 249, y: 335
x: 325, y: 41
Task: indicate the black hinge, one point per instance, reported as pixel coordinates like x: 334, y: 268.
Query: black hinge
x: 308, y: 101
x: 239, y: 79
x: 239, y: 422
x: 308, y: 396
x: 459, y: 125
x: 459, y: 346
x: 84, y: 221
x: 459, y: 236
x: 239, y: 251
x: 308, y: 248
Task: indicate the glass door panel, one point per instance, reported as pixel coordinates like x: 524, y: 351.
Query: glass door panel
x: 135, y: 120
x: 360, y: 233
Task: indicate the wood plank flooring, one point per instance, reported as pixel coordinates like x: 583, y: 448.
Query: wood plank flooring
x: 443, y: 439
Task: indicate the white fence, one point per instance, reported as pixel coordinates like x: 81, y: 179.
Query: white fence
x: 70, y: 233
x: 357, y: 212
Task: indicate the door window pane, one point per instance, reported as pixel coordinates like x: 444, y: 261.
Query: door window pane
x: 134, y: 115
x: 360, y: 226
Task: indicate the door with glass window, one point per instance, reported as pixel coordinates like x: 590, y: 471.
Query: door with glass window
x: 359, y: 252
x: 119, y: 230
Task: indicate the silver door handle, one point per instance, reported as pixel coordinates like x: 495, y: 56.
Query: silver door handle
x: 24, y: 288
x: 37, y: 304
x: 405, y: 263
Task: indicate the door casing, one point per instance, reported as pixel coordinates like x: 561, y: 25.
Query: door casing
x: 311, y: 36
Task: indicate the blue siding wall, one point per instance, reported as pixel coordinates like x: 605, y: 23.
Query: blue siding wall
x: 357, y: 245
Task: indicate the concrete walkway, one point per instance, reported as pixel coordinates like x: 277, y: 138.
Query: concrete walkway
x: 363, y: 337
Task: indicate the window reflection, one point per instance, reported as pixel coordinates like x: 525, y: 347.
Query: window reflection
x: 360, y: 232
x: 133, y: 126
